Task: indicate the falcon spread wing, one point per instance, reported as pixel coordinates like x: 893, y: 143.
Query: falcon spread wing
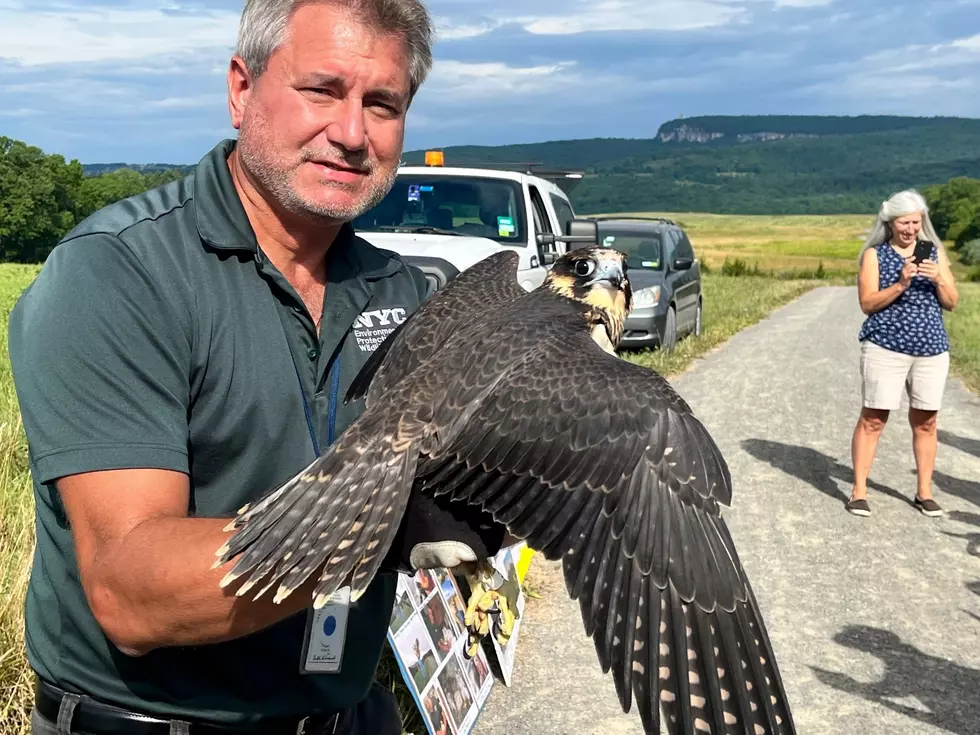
x: 598, y: 462
x: 593, y: 460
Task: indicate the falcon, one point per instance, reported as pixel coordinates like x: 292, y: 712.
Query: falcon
x: 515, y: 401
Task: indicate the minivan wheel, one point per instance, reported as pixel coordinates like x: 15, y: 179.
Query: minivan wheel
x: 670, y: 331
x: 697, y: 321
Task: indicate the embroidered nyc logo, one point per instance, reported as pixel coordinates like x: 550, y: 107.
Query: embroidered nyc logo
x: 372, y: 327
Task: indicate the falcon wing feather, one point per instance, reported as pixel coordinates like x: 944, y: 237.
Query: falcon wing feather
x: 600, y: 463
x: 339, y: 516
x: 483, y: 287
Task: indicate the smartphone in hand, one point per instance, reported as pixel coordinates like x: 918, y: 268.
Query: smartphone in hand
x: 923, y: 249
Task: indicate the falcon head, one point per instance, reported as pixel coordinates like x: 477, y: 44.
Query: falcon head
x: 597, y: 277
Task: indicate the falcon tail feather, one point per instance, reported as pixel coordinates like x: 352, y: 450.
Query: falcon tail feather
x: 337, y: 517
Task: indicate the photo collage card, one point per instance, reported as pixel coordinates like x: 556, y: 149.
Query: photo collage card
x: 428, y: 636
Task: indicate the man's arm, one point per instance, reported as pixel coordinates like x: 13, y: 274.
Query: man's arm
x: 146, y: 567
x: 101, y: 352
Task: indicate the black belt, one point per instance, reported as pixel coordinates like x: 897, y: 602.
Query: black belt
x: 94, y: 717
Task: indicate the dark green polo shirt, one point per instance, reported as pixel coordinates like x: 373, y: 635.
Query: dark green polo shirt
x: 158, y: 335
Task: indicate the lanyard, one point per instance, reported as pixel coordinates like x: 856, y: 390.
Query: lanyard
x: 332, y: 411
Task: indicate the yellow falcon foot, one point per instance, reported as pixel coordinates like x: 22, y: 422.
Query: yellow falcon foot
x: 493, y: 596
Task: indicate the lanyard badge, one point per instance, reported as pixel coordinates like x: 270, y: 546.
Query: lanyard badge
x: 326, y: 631
x: 326, y: 628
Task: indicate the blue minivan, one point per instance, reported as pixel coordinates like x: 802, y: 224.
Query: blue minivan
x: 665, y: 275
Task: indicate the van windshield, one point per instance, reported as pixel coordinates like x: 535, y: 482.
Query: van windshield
x: 644, y: 250
x: 461, y: 205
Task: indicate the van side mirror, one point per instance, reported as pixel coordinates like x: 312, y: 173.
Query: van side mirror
x: 683, y: 264
x: 581, y: 233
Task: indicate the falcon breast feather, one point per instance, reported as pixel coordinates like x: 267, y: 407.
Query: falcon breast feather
x: 511, y: 401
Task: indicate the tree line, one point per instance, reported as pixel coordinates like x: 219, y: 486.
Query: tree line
x: 954, y: 208
x: 43, y: 196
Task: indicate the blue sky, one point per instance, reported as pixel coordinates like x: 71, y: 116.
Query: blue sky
x: 144, y: 80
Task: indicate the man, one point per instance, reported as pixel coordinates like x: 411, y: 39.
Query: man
x: 184, y: 352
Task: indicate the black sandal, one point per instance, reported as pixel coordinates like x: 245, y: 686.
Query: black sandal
x: 858, y: 507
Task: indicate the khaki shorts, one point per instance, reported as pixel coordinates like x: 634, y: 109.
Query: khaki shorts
x: 886, y: 373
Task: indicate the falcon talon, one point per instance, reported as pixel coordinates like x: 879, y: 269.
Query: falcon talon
x: 515, y: 402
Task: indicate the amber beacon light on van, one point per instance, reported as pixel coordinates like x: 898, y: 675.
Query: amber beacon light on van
x: 434, y: 158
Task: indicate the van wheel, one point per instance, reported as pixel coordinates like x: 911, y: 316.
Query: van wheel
x: 697, y: 321
x: 669, y: 340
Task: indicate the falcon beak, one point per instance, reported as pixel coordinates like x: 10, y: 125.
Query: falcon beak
x: 609, y: 273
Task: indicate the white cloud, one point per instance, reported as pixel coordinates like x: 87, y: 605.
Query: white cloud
x: 917, y: 58
x: 971, y: 44
x: 99, y: 33
x: 450, y: 30
x: 943, y: 77
x: 191, y: 102
x: 579, y: 16
x: 802, y: 3
x: 491, y: 80
x: 627, y: 15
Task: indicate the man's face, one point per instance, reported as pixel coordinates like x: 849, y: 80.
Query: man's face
x: 322, y: 128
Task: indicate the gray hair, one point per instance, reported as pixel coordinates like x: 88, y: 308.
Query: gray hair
x: 262, y: 29
x: 898, y: 205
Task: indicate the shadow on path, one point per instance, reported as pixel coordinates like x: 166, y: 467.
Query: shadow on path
x: 815, y: 468
x: 972, y: 539
x: 974, y: 587
x: 946, y: 689
x: 963, y: 443
x: 965, y: 489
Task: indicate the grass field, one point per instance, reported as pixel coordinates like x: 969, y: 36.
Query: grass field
x: 16, y: 524
x: 779, y: 244
x: 789, y: 243
x: 963, y: 326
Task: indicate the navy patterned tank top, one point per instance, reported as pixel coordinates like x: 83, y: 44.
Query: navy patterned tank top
x: 912, y: 323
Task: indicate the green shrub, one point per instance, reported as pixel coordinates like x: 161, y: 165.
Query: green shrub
x: 738, y: 267
x: 970, y: 252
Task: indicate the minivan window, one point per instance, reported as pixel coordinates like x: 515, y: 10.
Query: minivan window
x: 684, y: 248
x: 644, y: 250
x: 478, y: 207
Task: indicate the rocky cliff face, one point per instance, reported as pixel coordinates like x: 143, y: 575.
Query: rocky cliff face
x: 684, y: 134
x: 687, y: 134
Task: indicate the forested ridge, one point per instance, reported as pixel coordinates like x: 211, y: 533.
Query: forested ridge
x: 737, y: 165
x: 754, y: 164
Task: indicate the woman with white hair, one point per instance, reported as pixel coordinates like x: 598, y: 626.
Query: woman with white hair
x: 904, y: 346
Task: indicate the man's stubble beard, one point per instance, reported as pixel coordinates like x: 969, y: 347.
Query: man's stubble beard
x: 277, y: 180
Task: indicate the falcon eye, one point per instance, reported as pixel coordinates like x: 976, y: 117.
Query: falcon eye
x: 584, y: 267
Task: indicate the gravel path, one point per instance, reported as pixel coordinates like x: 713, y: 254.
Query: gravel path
x: 875, y: 621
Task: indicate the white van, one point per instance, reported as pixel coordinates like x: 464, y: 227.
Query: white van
x: 444, y: 219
